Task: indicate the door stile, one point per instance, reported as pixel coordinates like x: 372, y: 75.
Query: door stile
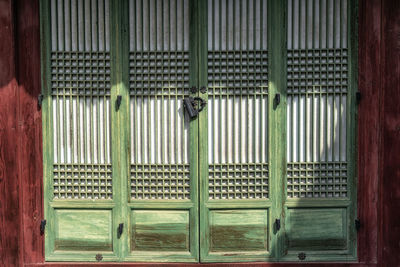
x: 47, y: 120
x: 352, y: 114
x: 121, y: 82
x: 277, y: 100
x: 203, y: 125
x: 195, y: 126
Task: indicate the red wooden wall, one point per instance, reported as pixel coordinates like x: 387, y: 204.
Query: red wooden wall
x: 21, y: 205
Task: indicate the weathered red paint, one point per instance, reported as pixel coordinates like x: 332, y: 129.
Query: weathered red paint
x: 29, y: 127
x: 389, y: 168
x: 9, y: 186
x: 368, y: 127
x: 378, y: 138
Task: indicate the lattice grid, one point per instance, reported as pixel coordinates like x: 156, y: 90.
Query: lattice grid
x: 317, y: 180
x: 160, y: 181
x: 317, y: 108
x: 80, y: 73
x: 81, y: 110
x: 154, y: 73
x: 159, y: 130
x: 82, y: 181
x: 238, y: 181
x: 317, y: 71
x: 237, y: 85
x: 244, y: 71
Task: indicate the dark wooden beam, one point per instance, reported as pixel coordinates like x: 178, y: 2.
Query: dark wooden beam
x: 369, y: 85
x: 389, y: 168
x: 29, y: 127
x: 9, y: 176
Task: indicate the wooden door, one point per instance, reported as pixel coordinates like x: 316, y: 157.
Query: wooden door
x: 265, y: 172
x: 238, y: 190
x: 120, y: 155
x: 160, y: 68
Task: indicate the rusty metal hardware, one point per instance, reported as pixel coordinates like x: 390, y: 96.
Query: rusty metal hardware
x: 120, y: 229
x: 40, y: 100
x: 357, y: 224
x: 190, y: 104
x: 42, y: 226
x: 277, y: 99
x: 193, y: 89
x: 358, y: 97
x: 118, y: 102
x: 99, y: 257
x: 302, y: 256
x: 278, y: 224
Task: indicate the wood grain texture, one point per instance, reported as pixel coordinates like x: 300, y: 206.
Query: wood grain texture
x: 369, y: 85
x: 29, y: 127
x: 390, y: 139
x: 9, y: 187
x: 30, y: 166
x: 253, y: 264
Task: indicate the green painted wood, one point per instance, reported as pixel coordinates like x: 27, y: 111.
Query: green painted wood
x: 78, y: 227
x: 121, y: 146
x: 277, y: 119
x: 201, y: 227
x: 311, y: 229
x: 160, y: 230
x: 352, y: 146
x: 162, y: 224
x: 201, y: 37
x: 238, y: 230
x: 235, y: 226
x: 73, y: 230
x: 47, y: 122
x: 323, y: 227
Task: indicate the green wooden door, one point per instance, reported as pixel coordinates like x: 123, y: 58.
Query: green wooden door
x: 120, y: 155
x: 264, y: 173
x: 238, y: 198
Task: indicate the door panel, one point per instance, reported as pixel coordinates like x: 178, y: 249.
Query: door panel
x: 236, y: 192
x: 163, y: 179
x: 320, y: 112
x: 78, y: 121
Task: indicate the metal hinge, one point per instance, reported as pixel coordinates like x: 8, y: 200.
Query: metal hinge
x: 120, y: 229
x: 42, y: 226
x: 277, y: 99
x: 278, y: 224
x: 40, y: 100
x: 358, y: 97
x: 118, y: 102
x: 357, y: 224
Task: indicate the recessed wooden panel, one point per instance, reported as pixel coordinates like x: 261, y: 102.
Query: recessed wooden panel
x: 83, y: 230
x: 238, y: 230
x: 316, y: 229
x: 160, y: 230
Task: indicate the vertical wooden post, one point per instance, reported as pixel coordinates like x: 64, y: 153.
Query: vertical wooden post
x: 369, y: 85
x: 9, y: 177
x: 389, y: 164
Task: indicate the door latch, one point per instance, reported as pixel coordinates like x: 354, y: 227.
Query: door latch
x: 193, y: 106
x: 120, y: 229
